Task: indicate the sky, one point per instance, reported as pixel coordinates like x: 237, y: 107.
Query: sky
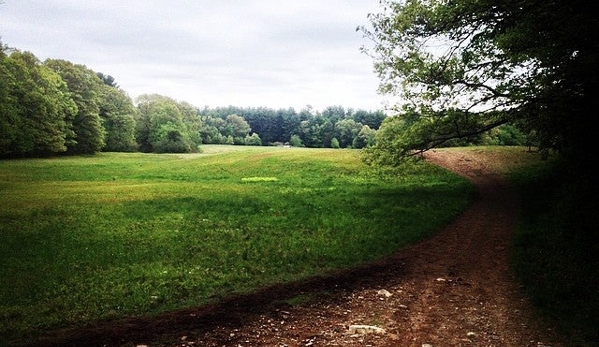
x: 245, y: 53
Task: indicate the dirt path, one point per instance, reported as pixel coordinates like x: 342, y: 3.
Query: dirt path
x: 454, y: 289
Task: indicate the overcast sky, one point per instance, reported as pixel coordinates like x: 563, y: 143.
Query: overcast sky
x: 246, y: 53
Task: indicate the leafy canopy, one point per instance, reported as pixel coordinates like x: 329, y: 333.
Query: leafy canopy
x: 36, y: 109
x: 462, y: 67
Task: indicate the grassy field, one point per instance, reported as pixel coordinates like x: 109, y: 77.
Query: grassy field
x: 100, y: 237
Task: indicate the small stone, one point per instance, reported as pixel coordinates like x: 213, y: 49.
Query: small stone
x: 365, y: 329
x: 471, y: 334
x: 427, y: 345
x: 385, y: 293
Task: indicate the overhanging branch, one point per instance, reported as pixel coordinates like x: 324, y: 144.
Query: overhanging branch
x: 436, y: 142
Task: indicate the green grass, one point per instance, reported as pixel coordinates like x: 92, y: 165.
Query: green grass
x: 86, y: 239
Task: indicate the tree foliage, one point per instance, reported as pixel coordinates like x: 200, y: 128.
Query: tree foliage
x: 107, y: 80
x: 161, y: 125
x: 364, y: 138
x: 85, y: 88
x: 461, y: 68
x: 118, y: 113
x: 36, y: 110
x: 57, y: 106
x: 346, y: 131
x: 307, y: 128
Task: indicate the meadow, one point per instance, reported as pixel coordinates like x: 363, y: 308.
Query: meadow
x: 91, y: 238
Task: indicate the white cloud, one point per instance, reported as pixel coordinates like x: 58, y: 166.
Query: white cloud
x: 268, y: 53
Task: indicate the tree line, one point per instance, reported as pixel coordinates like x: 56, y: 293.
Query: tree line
x: 56, y: 106
x: 334, y: 127
x: 59, y: 107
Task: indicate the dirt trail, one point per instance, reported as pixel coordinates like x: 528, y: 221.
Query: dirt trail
x: 454, y: 289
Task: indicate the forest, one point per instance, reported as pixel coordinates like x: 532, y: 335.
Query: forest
x: 60, y: 107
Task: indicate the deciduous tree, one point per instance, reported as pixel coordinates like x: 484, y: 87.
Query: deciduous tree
x: 36, y: 109
x: 346, y: 131
x: 118, y: 118
x: 236, y: 126
x: 463, y: 67
x: 364, y: 138
x: 85, y: 89
x: 161, y: 126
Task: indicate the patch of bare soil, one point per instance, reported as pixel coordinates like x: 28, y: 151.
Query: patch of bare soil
x: 454, y: 289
